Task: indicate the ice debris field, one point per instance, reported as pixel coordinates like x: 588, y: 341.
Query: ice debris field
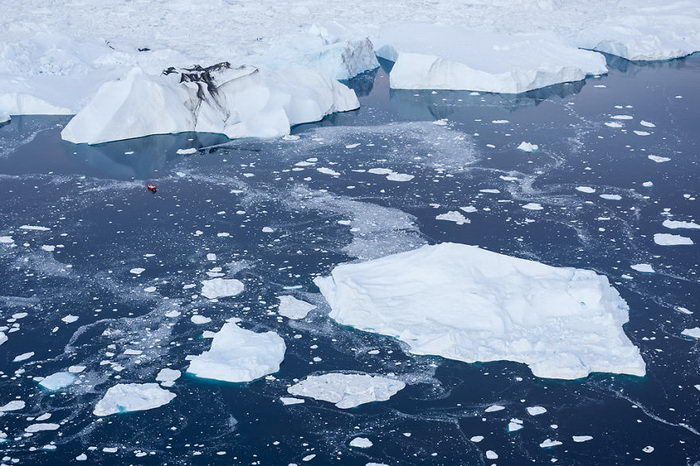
x: 370, y: 241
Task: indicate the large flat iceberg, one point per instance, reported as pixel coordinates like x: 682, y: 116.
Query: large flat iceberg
x: 126, y: 397
x: 429, y: 56
x: 347, y: 390
x: 235, y: 101
x: 239, y: 355
x: 468, y: 304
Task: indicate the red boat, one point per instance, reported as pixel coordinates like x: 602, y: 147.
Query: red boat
x: 152, y: 188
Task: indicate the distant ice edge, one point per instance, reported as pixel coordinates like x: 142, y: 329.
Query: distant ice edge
x: 469, y: 304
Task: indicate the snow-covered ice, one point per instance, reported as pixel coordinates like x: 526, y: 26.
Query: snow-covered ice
x: 361, y: 442
x: 347, y: 390
x: 41, y: 427
x: 221, y: 288
x: 294, y: 308
x: 677, y: 224
x: 453, y: 216
x: 668, y: 239
x: 645, y: 268
x: 235, y: 101
x: 528, y: 147
x: 239, y: 355
x: 58, y: 381
x: 127, y: 397
x: 430, y: 56
x: 465, y: 303
x: 692, y: 332
x: 167, y: 377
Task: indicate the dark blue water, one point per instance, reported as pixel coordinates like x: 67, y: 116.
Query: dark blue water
x: 104, y: 222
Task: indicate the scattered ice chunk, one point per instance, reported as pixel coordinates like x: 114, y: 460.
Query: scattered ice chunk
x: 622, y: 117
x: 492, y: 455
x: 647, y: 124
x: 528, y: 147
x: 327, y: 171
x: 69, y: 319
x: 361, y: 442
x: 494, y: 408
x: 515, y: 425
x: 34, y: 228
x: 167, y: 377
x: 127, y: 397
x: 645, y: 268
x: 199, y: 319
x: 658, y: 159
x: 191, y: 150
x: 239, y: 355
x: 533, y: 206
x: 465, y: 303
x: 581, y: 438
x: 294, y: 308
x: 41, y: 427
x: 14, y: 405
x: 6, y: 240
x: 692, y: 332
x: 641, y: 133
x: 613, y: 124
x: 453, y: 216
x: 536, y: 410
x: 288, y: 400
x: 667, y: 239
x: 58, y: 381
x: 347, y: 390
x: 399, y: 177
x: 585, y: 189
x: 611, y: 197
x: 550, y: 443
x: 477, y: 438
x: 221, y: 287
x: 23, y: 356
x: 648, y: 449
x: 137, y: 270
x: 676, y: 224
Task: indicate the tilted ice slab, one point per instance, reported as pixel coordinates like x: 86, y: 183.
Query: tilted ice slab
x: 660, y: 31
x: 465, y: 303
x: 125, y: 397
x: 347, y: 390
x: 239, y: 355
x: 440, y: 57
x: 238, y: 102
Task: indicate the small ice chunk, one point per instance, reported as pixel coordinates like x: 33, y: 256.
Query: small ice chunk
x: 585, y: 189
x: 453, y: 216
x: 515, y: 425
x: 622, y: 117
x: 645, y: 268
x: 69, y: 319
x: 239, y: 355
x: 533, y: 206
x: 14, y: 405
x: 361, y: 442
x: 347, y: 390
x: 581, y: 438
x: 167, y: 376
x: 494, y: 408
x: 327, y: 171
x: 294, y: 308
x: 58, y: 381
x: 221, y: 287
x: 658, y: 159
x: 400, y: 177
x: 675, y: 224
x: 613, y: 124
x: 6, y: 240
x: 199, y: 319
x: 137, y: 270
x: 34, y: 228
x: 492, y: 455
x: 647, y: 124
x: 536, y: 410
x: 288, y: 400
x: 23, y: 356
x: 550, y: 443
x: 41, y: 427
x: 667, y: 239
x: 641, y: 133
x: 528, y: 147
x: 127, y: 397
x: 611, y: 197
x: 191, y: 150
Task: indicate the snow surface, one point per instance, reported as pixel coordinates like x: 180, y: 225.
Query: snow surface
x: 235, y: 101
x: 239, y: 355
x: 126, y: 397
x: 465, y: 303
x: 294, y: 308
x: 429, y: 56
x: 221, y: 288
x: 347, y: 390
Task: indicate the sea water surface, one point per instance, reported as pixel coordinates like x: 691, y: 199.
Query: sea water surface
x: 278, y: 213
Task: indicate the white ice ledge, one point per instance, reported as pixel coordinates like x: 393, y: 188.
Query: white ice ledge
x: 235, y: 101
x: 468, y: 304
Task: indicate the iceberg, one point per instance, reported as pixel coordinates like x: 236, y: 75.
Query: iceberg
x: 429, y: 56
x: 294, y: 308
x: 347, y: 390
x: 692, y: 332
x: 469, y: 304
x: 126, y: 397
x: 58, y: 381
x: 235, y: 101
x: 239, y: 355
x: 4, y: 117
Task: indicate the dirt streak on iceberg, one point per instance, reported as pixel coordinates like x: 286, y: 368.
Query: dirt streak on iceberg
x: 468, y: 304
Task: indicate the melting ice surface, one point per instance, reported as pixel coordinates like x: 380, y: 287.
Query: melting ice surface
x: 258, y: 221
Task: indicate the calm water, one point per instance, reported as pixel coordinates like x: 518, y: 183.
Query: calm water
x: 103, y: 222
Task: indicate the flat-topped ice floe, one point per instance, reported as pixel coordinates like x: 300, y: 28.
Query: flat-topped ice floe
x: 221, y: 288
x: 126, y: 397
x: 293, y: 308
x: 429, y: 56
x: 347, y: 390
x: 667, y: 239
x: 239, y: 355
x: 235, y: 101
x: 58, y: 381
x: 468, y: 304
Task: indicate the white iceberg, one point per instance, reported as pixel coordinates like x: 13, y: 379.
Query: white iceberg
x: 429, y: 56
x: 58, y: 381
x: 237, y: 102
x: 41, y: 427
x: 221, y: 288
x: 692, y: 332
x: 677, y: 224
x: 468, y: 304
x: 167, y: 377
x: 667, y: 239
x: 361, y: 442
x: 239, y: 355
x: 528, y: 147
x: 294, y: 308
x: 4, y: 117
x: 347, y: 390
x: 126, y: 397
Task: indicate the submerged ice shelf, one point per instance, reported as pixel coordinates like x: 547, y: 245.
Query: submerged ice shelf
x: 468, y: 304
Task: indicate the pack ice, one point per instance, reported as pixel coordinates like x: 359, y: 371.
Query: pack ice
x: 125, y: 397
x: 465, y: 303
x: 429, y: 56
x: 347, y: 390
x: 239, y: 355
x: 235, y: 101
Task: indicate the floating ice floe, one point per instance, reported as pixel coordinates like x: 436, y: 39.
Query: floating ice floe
x: 239, y: 355
x: 645, y: 268
x: 3, y: 338
x: 347, y: 390
x: 536, y: 410
x: 532, y: 206
x: 692, y: 332
x: 453, y: 216
x: 677, y: 224
x: 550, y: 443
x: 221, y: 288
x: 581, y: 438
x: 361, y: 442
x: 14, y: 405
x: 294, y: 308
x: 667, y: 239
x: 41, y: 427
x: 127, y: 397
x: 234, y: 101
x: 585, y: 189
x: 468, y: 304
x: 288, y: 400
x: 167, y: 377
x: 430, y: 56
x: 658, y: 159
x: 58, y: 381
x: 528, y: 147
